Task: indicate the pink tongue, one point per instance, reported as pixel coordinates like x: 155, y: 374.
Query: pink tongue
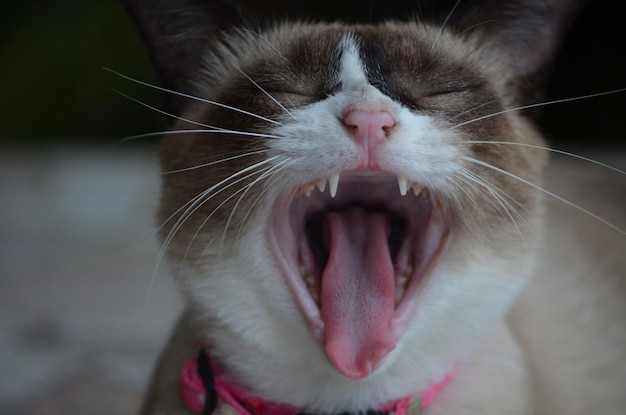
x: 357, y: 295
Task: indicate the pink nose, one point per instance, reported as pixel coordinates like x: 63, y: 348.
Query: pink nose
x: 368, y: 129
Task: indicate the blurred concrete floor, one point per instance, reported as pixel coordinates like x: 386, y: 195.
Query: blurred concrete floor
x: 83, y: 313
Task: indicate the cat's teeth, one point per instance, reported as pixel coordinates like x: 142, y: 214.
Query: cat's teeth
x: 397, y: 297
x: 403, y: 183
x: 308, y: 189
x: 321, y: 184
x: 309, y: 280
x: 402, y: 281
x: 333, y: 182
x: 417, y: 189
x: 305, y: 190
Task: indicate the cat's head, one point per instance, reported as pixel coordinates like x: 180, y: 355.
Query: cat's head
x: 349, y: 207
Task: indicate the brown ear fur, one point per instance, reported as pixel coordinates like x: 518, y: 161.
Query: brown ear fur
x: 524, y: 33
x: 176, y: 33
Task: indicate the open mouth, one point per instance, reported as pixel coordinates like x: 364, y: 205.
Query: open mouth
x: 354, y: 252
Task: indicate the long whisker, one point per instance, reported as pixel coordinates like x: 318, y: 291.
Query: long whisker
x: 264, y: 39
x: 475, y: 107
x: 179, y: 210
x: 192, y: 97
x: 212, y: 163
x: 245, y: 190
x: 215, y: 130
x: 495, y: 193
x: 210, y: 128
x: 462, y: 177
x: 160, y: 111
x: 267, y: 94
x: 547, y: 192
x: 210, y: 215
x: 553, y: 150
x: 443, y: 25
x: 539, y: 104
x: 192, y: 206
x: 213, y: 191
x: 267, y: 187
x: 264, y: 172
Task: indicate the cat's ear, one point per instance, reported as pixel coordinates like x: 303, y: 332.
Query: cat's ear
x: 176, y: 33
x: 525, y: 35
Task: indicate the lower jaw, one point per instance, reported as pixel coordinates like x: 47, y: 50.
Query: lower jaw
x: 405, y: 308
x: 431, y: 240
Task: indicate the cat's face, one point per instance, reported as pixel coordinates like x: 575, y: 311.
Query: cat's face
x: 422, y: 235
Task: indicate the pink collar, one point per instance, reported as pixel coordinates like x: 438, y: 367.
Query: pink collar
x: 193, y: 392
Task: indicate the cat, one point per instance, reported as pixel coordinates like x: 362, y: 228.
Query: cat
x: 361, y: 220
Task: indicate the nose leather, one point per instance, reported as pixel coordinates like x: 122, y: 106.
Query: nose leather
x: 368, y: 129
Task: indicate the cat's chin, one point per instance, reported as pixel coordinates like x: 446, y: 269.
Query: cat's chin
x: 354, y: 256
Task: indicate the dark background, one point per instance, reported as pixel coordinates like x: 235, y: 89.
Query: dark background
x: 53, y: 87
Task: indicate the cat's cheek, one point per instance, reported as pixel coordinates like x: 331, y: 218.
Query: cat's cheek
x: 475, y: 281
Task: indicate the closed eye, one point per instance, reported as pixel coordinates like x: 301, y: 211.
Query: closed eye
x: 311, y: 90
x: 438, y: 93
x: 448, y: 90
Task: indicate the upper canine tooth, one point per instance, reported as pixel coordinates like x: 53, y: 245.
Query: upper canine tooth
x: 321, y: 184
x: 333, y: 182
x: 403, y: 183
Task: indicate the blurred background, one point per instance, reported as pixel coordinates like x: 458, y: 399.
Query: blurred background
x: 84, y: 308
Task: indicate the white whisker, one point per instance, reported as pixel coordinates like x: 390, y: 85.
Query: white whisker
x: 193, y: 205
x: 263, y: 173
x: 443, y: 25
x: 199, y: 195
x: 192, y: 97
x: 210, y: 215
x: 552, y: 150
x: 547, y: 192
x: 212, y: 163
x: 213, y: 130
x: 462, y: 177
x: 267, y: 187
x: 244, y: 191
x: 475, y: 107
x: 264, y: 39
x: 268, y: 94
x: 160, y: 111
x: 504, y: 205
x: 540, y: 104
